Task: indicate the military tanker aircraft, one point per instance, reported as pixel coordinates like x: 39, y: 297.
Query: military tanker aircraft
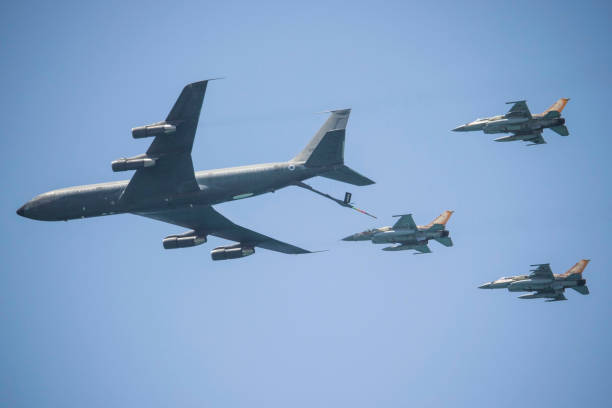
x: 407, y: 234
x: 544, y: 283
x: 521, y: 123
x: 166, y: 188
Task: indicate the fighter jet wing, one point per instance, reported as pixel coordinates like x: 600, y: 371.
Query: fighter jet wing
x: 536, y: 140
x: 559, y: 295
x: 519, y: 109
x: 173, y: 171
x: 542, y: 271
x: 206, y: 220
x: 405, y: 221
x: 422, y: 249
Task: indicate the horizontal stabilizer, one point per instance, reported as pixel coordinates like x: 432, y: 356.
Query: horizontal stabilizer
x: 583, y: 290
x: 446, y: 241
x: 347, y: 175
x: 562, y: 130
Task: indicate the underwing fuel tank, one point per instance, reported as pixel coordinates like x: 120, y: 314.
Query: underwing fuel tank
x: 233, y: 252
x: 537, y: 295
x: 155, y: 129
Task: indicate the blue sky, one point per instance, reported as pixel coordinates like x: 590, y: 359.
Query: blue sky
x: 95, y: 313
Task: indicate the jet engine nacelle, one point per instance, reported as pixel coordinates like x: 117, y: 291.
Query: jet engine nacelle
x: 155, y: 129
x: 183, y: 241
x: 233, y: 252
x: 132, y: 164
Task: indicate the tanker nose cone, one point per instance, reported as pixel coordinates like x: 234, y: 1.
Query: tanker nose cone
x: 21, y: 211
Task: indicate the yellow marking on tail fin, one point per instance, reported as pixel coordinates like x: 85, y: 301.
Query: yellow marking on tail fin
x: 578, y: 268
x: 557, y: 106
x: 441, y: 219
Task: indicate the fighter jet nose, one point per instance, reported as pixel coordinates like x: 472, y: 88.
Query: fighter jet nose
x: 485, y: 286
x: 459, y: 128
x: 349, y: 238
x: 21, y: 211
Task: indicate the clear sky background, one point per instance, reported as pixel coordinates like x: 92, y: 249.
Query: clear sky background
x: 96, y: 313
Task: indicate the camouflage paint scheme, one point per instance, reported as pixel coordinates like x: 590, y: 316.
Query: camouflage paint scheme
x: 521, y: 123
x: 544, y: 283
x: 407, y: 234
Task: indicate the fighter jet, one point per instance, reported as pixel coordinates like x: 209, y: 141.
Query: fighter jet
x: 407, y: 234
x: 166, y: 188
x: 544, y: 283
x: 521, y: 123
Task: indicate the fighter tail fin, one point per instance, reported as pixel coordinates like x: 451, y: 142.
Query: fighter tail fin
x: 326, y: 148
x: 575, y: 272
x: 557, y: 106
x: 442, y: 219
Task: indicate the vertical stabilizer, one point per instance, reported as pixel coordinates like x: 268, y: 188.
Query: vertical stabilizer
x: 442, y: 219
x: 557, y: 106
x: 575, y: 272
x: 327, y: 145
x: 326, y: 151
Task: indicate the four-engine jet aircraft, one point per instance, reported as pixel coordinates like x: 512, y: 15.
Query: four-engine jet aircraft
x: 166, y: 188
x: 544, y: 283
x: 407, y: 234
x: 521, y: 123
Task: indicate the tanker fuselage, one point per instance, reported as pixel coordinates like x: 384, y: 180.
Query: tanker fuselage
x: 215, y: 186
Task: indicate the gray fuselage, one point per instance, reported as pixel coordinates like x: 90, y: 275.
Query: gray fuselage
x: 406, y: 236
x: 216, y: 186
x: 523, y: 283
x: 502, y: 124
